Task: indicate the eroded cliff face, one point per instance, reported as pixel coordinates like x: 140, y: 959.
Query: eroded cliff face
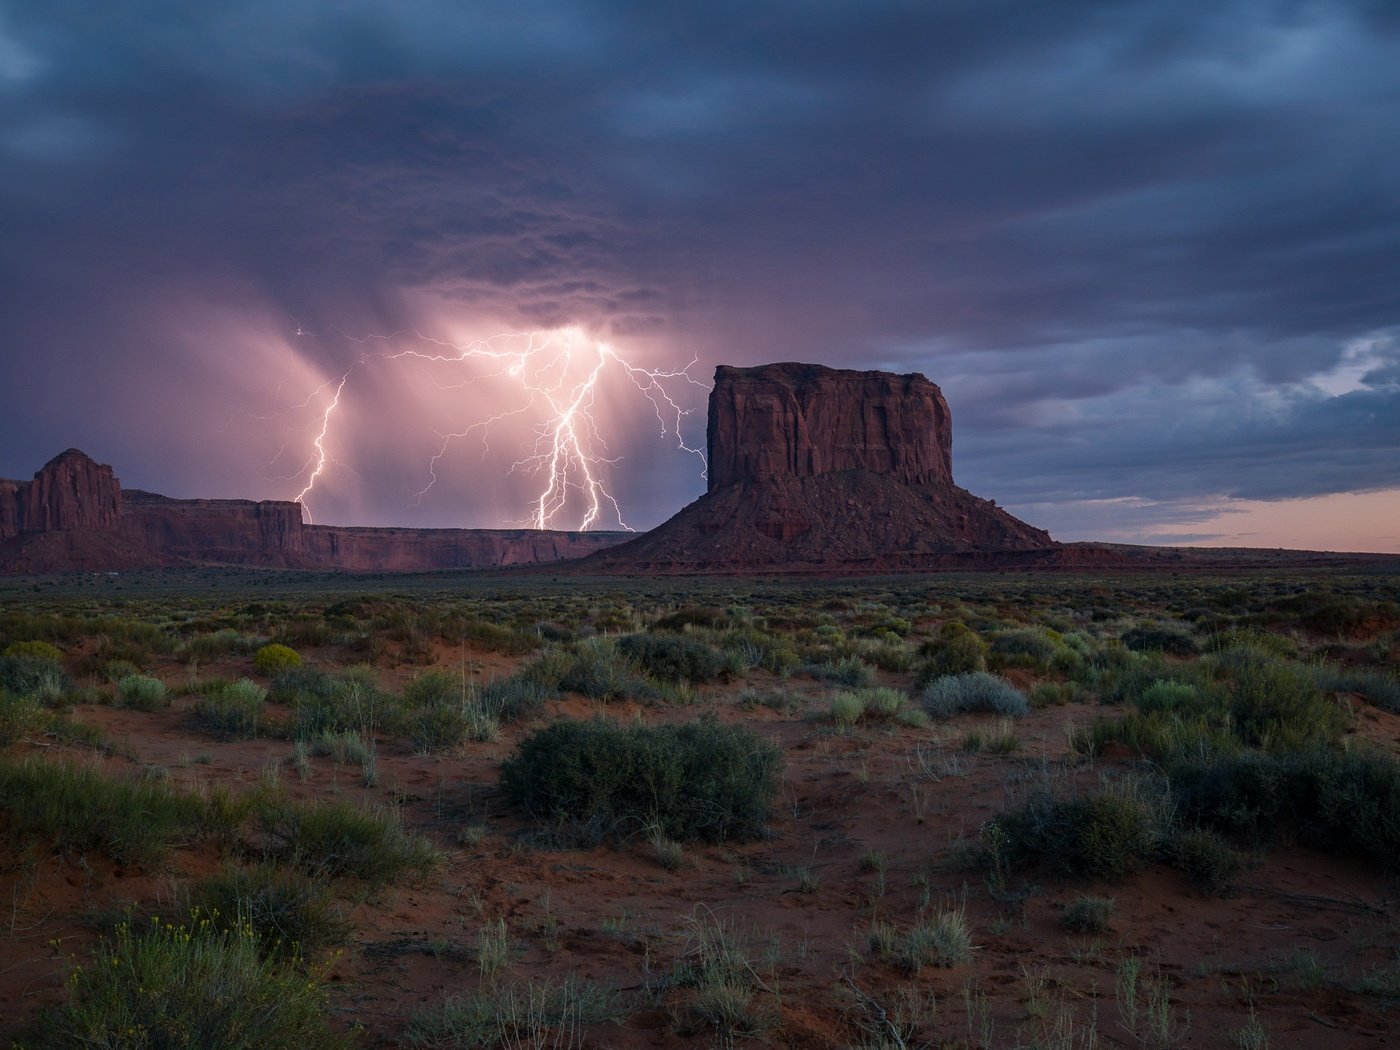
x: 74, y: 517
x: 807, y: 420
x: 70, y: 491
x: 822, y: 469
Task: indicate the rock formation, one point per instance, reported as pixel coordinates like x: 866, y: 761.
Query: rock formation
x: 70, y: 491
x: 74, y: 516
x: 828, y: 469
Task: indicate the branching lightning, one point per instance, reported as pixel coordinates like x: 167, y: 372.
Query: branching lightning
x: 559, y: 373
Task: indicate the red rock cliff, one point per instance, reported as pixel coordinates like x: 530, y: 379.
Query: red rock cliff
x: 807, y: 420
x: 70, y: 491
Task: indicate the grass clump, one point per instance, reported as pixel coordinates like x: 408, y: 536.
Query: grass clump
x: 195, y: 985
x: 143, y: 693
x: 234, y: 711
x: 34, y: 677
x: 847, y: 670
x: 77, y: 809
x: 598, y: 669
x: 1105, y: 835
x: 879, y: 704
x: 275, y: 658
x: 538, y: 1014
x: 974, y: 691
x: 1088, y: 914
x: 340, y: 838
x: 670, y: 657
x: 1207, y: 858
x: 941, y: 939
x: 290, y: 915
x: 702, y: 781
x: 956, y: 650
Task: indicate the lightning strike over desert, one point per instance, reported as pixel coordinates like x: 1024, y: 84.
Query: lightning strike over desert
x: 557, y: 375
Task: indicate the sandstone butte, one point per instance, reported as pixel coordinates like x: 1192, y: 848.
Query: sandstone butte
x: 815, y: 468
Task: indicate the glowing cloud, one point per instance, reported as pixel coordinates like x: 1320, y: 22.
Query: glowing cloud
x: 560, y: 374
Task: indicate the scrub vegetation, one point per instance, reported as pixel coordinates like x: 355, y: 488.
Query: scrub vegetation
x: 252, y: 808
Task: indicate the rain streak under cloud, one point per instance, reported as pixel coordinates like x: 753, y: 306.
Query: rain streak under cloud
x: 1150, y: 251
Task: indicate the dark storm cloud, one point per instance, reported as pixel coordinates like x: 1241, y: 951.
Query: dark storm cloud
x: 1098, y: 225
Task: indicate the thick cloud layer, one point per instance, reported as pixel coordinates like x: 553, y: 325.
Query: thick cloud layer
x: 1150, y: 251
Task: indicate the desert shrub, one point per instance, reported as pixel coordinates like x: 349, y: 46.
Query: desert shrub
x: 435, y: 687
x: 941, y: 939
x: 596, y: 668
x: 143, y: 693
x: 1088, y: 914
x: 275, y: 658
x: 34, y: 677
x: 975, y: 691
x: 879, y: 703
x: 1178, y: 698
x: 1208, y: 860
x: 34, y: 650
x: 77, y: 809
x: 351, y: 701
x: 849, y: 670
x: 700, y: 781
x: 222, y: 642
x: 1164, y: 736
x: 1275, y: 704
x: 1378, y: 687
x: 671, y: 658
x: 1030, y: 647
x: 1105, y: 835
x: 340, y: 838
x: 301, y: 683
x: 1344, y: 802
x: 19, y: 716
x: 693, y: 616
x: 515, y: 698
x: 493, y: 637
x: 233, y: 711
x: 999, y: 739
x: 1161, y: 638
x: 290, y: 915
x: 194, y: 985
x: 537, y: 1014
x: 1056, y: 694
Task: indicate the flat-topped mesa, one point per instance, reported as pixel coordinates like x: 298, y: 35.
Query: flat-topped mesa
x: 801, y: 420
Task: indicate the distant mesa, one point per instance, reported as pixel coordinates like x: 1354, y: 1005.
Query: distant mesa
x: 74, y: 516
x: 823, y: 469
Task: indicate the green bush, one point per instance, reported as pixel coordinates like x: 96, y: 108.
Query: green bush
x: 1032, y: 647
x: 597, y: 669
x: 1105, y: 835
x: 19, y: 716
x: 275, y: 658
x: 849, y: 670
x: 233, y: 711
x: 1208, y: 860
x: 194, y: 985
x: 143, y: 693
x: 1343, y: 802
x: 880, y: 703
x: 350, y: 701
x: 974, y: 691
x: 506, y: 1017
x: 671, y: 658
x: 1088, y: 914
x: 341, y: 838
x: 35, y: 650
x: 77, y: 809
x: 290, y: 915
x: 34, y: 677
x: 700, y: 781
x: 1160, y: 638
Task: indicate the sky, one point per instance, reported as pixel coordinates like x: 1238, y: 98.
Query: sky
x: 1149, y: 250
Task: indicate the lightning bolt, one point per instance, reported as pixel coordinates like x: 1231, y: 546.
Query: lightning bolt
x: 560, y: 373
